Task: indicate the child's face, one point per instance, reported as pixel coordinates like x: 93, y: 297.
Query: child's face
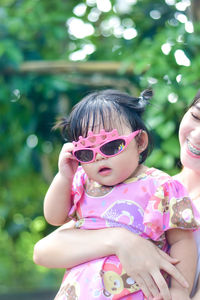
x: 113, y: 170
x: 189, y: 137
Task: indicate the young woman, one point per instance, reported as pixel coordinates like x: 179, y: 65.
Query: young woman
x: 189, y: 137
x: 82, y: 245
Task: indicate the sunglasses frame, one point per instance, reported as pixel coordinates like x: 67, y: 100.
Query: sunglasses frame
x: 83, y: 143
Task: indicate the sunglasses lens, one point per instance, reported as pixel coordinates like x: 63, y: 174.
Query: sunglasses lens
x: 84, y: 155
x: 113, y: 147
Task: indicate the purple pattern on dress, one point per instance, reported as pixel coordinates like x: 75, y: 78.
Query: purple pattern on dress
x: 125, y: 213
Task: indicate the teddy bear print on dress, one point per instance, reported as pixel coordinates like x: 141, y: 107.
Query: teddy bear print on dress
x: 182, y: 213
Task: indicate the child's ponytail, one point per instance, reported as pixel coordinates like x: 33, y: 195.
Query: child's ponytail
x: 144, y: 98
x: 63, y: 125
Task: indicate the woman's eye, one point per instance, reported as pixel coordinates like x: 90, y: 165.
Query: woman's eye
x: 197, y: 117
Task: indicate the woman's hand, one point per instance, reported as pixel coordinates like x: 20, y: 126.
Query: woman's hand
x: 143, y: 261
x: 67, y: 164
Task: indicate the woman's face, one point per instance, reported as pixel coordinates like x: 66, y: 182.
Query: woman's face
x: 189, y: 137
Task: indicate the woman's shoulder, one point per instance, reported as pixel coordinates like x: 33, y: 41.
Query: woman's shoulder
x: 177, y: 177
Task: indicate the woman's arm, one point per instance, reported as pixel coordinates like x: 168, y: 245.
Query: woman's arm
x: 183, y: 247
x: 142, y: 260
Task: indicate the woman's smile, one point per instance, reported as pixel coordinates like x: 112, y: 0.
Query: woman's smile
x: 193, y: 149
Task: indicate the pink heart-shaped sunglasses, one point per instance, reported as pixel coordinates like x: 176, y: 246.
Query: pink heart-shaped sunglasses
x: 109, y: 144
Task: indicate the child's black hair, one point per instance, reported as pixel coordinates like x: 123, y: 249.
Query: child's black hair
x: 105, y: 108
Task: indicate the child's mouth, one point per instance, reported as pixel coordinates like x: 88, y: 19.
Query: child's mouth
x: 104, y: 171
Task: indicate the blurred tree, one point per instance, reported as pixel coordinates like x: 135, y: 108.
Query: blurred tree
x: 154, y: 43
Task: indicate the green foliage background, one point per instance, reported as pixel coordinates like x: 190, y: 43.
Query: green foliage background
x: 33, y: 30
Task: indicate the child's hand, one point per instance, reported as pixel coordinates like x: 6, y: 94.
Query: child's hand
x: 67, y: 164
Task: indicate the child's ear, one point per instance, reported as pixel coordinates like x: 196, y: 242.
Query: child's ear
x: 142, y: 141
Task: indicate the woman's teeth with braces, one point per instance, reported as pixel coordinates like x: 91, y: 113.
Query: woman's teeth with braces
x: 192, y: 149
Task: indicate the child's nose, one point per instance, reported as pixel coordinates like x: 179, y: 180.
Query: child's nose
x: 99, y: 157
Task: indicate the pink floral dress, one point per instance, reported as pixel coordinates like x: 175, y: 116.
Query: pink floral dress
x: 147, y: 205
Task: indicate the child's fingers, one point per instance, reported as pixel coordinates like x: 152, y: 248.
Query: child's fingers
x: 65, y: 157
x: 69, y: 147
x: 67, y: 163
x: 66, y: 152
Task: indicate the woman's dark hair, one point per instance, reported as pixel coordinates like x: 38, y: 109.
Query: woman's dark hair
x: 196, y: 99
x: 105, y: 108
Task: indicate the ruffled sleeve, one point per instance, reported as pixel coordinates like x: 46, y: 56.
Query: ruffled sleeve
x: 77, y: 190
x: 170, y: 207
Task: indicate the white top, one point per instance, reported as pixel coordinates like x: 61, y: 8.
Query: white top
x: 197, y: 238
